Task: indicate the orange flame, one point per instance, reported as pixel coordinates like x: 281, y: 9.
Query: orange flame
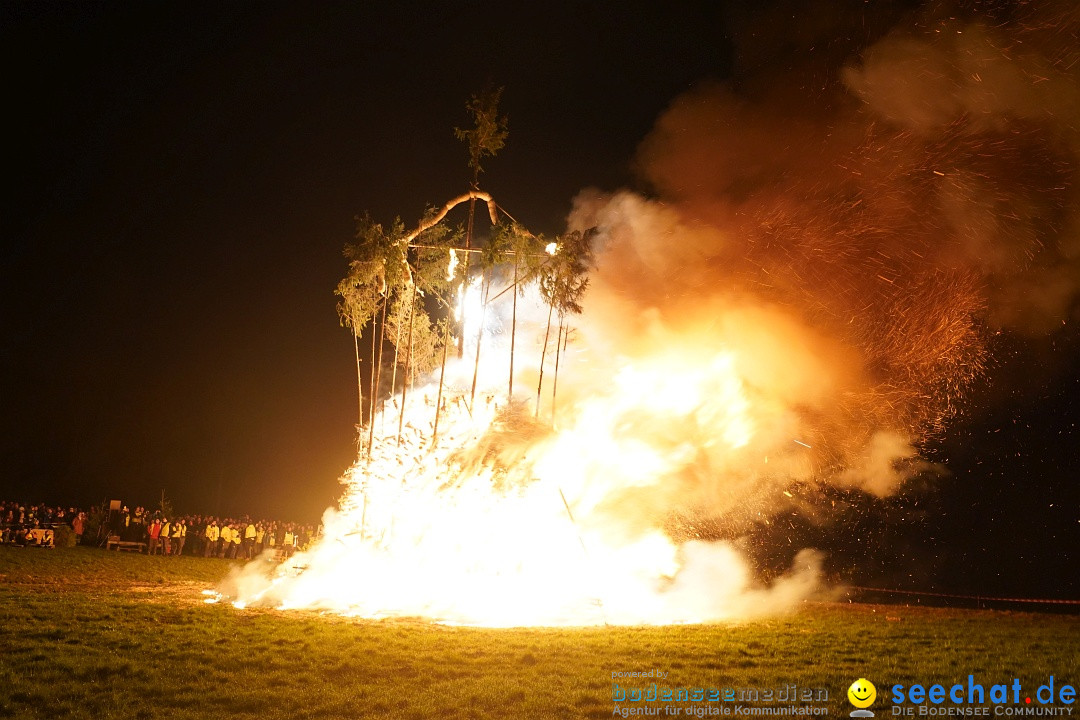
x: 503, y: 521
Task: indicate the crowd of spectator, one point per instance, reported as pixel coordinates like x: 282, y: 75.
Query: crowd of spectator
x: 20, y: 521
x: 154, y: 532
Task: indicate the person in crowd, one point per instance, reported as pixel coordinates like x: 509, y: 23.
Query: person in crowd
x: 197, y: 526
x: 249, y: 540
x: 306, y: 535
x: 166, y: 536
x: 179, y: 536
x: 154, y: 533
x: 226, y: 539
x: 78, y: 526
x: 288, y: 546
x: 139, y: 519
x: 212, y: 535
x: 237, y: 538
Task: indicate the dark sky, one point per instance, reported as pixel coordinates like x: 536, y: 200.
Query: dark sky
x: 182, y: 178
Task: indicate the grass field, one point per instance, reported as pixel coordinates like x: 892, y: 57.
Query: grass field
x: 85, y: 633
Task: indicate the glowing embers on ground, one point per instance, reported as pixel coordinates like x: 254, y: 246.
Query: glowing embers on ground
x: 502, y: 520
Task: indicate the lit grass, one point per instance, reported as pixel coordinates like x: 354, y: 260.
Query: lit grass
x: 85, y: 633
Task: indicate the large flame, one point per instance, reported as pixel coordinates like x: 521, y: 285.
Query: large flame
x: 505, y: 519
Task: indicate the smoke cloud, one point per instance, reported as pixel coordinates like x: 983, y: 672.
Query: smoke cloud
x: 857, y: 248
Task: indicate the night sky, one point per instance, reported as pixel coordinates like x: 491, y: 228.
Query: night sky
x: 182, y: 178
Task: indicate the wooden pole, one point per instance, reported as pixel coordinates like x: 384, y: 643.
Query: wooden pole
x: 408, y: 363
x: 437, y: 218
x: 375, y: 372
x: 543, y: 352
x: 371, y: 380
x: 359, y: 391
x: 479, y: 336
x: 397, y: 343
x: 558, y: 353
x: 513, y: 333
x: 465, y: 276
x: 378, y: 365
x: 442, y: 375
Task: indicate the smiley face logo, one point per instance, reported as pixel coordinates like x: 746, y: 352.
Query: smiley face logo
x: 862, y: 693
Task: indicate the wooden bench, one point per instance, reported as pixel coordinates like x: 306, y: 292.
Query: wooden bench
x: 114, y: 541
